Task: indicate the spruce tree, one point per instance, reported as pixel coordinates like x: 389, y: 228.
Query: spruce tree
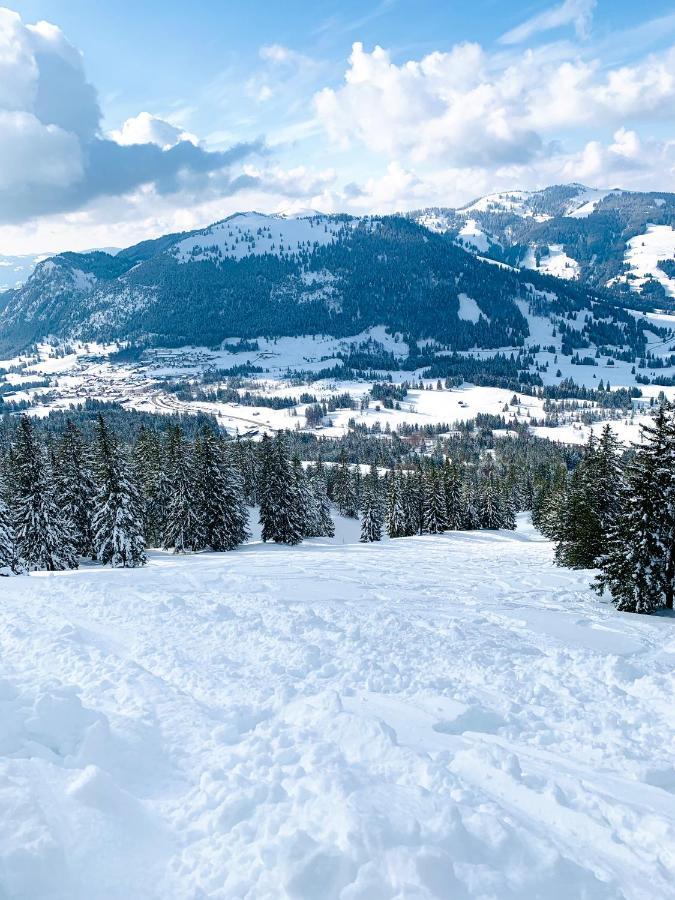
x: 325, y: 525
x: 10, y: 564
x: 43, y: 536
x: 184, y: 531
x: 490, y: 510
x: 396, y: 519
x: 150, y: 478
x: 118, y: 521
x: 280, y: 512
x: 371, y: 516
x: 435, y: 515
x: 638, y: 567
x: 75, y: 489
x: 221, y: 507
x: 454, y: 501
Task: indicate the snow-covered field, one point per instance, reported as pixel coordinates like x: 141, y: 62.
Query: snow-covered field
x: 433, y: 717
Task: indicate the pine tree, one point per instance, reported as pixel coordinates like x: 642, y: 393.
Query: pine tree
x: 325, y: 524
x: 10, y: 563
x: 471, y: 518
x: 396, y: 520
x: 221, y: 506
x: 280, y: 513
x: 43, y: 536
x: 118, y: 522
x: 183, y: 529
x: 589, y: 505
x: 150, y: 478
x: 490, y: 511
x: 75, y: 489
x: 413, y: 503
x: 435, y: 515
x: 371, y: 516
x: 638, y: 567
x: 454, y: 503
x: 344, y: 489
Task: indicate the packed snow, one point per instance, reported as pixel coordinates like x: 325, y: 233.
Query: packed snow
x: 433, y: 717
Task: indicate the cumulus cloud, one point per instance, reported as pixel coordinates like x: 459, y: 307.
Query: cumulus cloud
x: 53, y: 157
x: 467, y: 108
x: 148, y: 129
x: 578, y: 13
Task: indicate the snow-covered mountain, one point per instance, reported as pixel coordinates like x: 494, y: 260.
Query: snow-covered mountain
x: 253, y: 275
x: 624, y: 240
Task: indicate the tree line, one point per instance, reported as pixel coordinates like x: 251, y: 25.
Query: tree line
x: 69, y: 494
x: 69, y: 498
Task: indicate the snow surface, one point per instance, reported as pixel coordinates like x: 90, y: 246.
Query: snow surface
x: 586, y: 202
x: 433, y: 717
x: 252, y: 234
x: 471, y: 233
x: 469, y: 310
x: 557, y: 262
x: 644, y: 252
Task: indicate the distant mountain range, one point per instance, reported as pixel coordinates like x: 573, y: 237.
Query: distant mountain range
x: 457, y: 278
x: 623, y: 240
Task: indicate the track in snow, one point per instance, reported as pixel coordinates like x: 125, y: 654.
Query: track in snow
x: 444, y: 716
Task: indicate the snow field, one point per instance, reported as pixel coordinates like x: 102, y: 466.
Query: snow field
x: 433, y: 717
x: 644, y: 252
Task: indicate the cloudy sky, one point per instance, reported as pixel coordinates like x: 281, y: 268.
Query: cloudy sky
x: 120, y: 121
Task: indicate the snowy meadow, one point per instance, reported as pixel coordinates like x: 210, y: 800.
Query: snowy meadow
x: 442, y: 716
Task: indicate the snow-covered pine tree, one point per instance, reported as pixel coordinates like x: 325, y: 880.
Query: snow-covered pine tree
x: 221, y: 507
x: 509, y: 508
x: 326, y: 526
x: 590, y: 504
x: 311, y: 524
x: 149, y: 476
x: 343, y: 489
x: 638, y: 567
x: 490, y: 512
x: 395, y: 518
x: 413, y: 502
x: 371, y: 517
x: 454, y: 503
x: 43, y: 536
x: 471, y: 519
x: 183, y: 531
x: 435, y: 514
x: 579, y: 533
x: 75, y: 488
x: 280, y: 513
x: 10, y: 563
x: 548, y: 502
x: 118, y: 522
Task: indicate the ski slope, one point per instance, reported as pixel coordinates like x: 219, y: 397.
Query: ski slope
x: 432, y: 717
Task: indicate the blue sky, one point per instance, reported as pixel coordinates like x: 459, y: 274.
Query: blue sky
x: 182, y: 113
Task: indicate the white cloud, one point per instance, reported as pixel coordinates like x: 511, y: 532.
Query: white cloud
x: 578, y: 13
x: 466, y: 108
x: 53, y: 157
x: 148, y: 129
x: 35, y: 154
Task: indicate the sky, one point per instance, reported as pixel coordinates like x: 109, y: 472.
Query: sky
x: 122, y: 121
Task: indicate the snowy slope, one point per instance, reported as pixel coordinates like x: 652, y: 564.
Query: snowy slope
x: 644, y: 252
x: 432, y: 717
x: 252, y: 234
x: 556, y: 262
